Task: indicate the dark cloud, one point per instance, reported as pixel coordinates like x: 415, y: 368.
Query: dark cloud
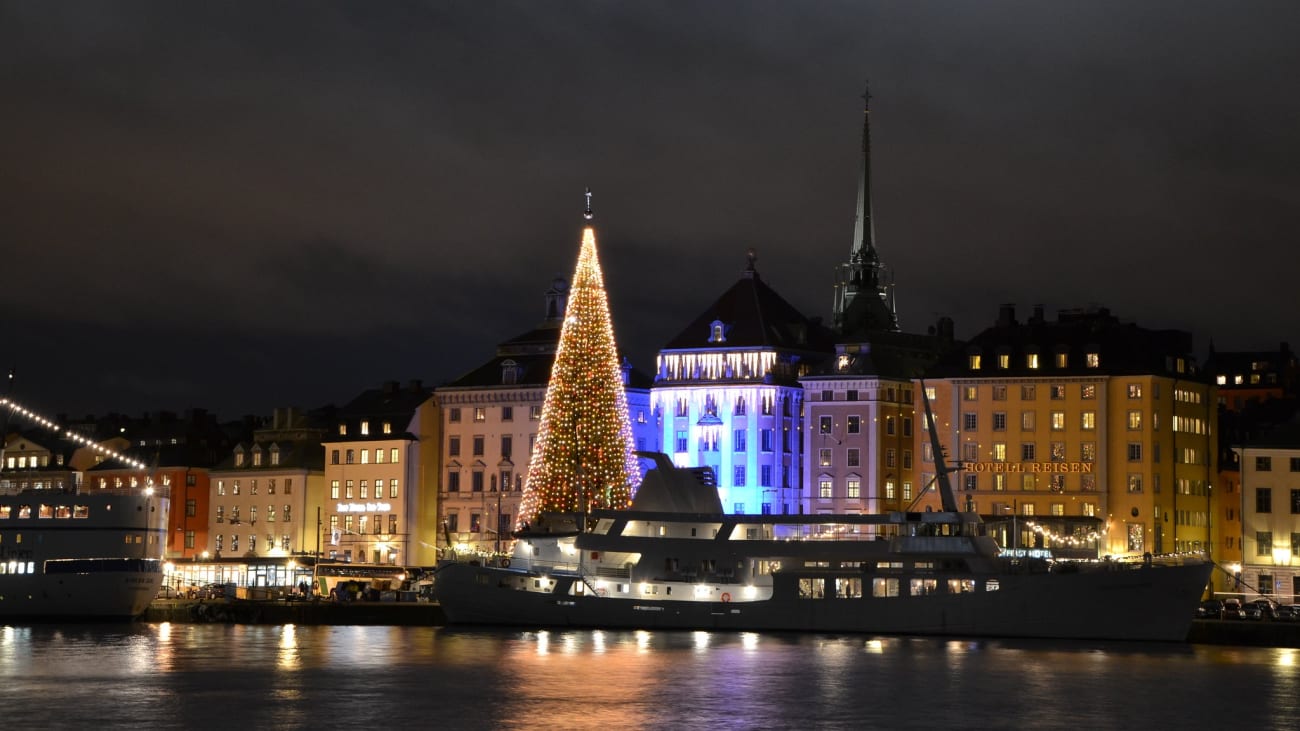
x: 366, y: 191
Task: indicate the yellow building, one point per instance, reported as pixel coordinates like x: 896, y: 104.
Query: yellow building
x: 381, y: 466
x: 1083, y: 416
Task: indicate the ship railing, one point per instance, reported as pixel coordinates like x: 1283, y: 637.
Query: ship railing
x: 10, y: 488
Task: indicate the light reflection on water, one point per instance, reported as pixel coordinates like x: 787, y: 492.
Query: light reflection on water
x: 261, y: 676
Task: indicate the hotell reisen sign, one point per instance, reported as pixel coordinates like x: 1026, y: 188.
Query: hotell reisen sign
x: 1045, y: 468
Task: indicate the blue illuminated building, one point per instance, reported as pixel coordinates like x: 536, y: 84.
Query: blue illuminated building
x: 728, y: 394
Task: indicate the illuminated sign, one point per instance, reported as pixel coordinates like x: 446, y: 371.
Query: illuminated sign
x: 1026, y: 553
x: 1082, y: 468
x: 364, y: 508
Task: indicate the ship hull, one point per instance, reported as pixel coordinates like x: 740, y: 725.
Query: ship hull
x: 1147, y: 603
x: 80, y: 555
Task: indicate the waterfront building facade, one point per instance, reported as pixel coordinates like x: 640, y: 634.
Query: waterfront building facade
x: 490, y: 417
x: 262, y: 491
x: 1270, y: 510
x: 728, y: 396
x: 1081, y: 416
x: 1253, y: 376
x: 179, y: 451
x: 381, y: 458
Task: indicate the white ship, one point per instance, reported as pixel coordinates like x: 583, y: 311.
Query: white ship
x: 674, y: 560
x: 80, y: 554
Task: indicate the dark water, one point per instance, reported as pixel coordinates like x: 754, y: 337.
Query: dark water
x: 255, y: 677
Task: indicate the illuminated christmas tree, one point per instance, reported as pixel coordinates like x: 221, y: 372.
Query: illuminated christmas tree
x: 583, y: 456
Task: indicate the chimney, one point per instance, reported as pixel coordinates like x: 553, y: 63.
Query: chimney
x: 1037, y: 318
x: 415, y: 385
x: 1007, y: 315
x: 391, y: 387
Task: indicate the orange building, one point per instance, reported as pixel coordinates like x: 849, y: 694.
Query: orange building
x: 1084, y: 416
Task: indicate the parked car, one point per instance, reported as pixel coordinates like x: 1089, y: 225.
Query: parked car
x: 1267, y: 607
x: 1251, y: 611
x: 1287, y: 613
x: 1232, y: 609
x: 1210, y: 609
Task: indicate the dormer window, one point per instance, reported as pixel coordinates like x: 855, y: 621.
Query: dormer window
x: 1062, y: 359
x: 388, y: 427
x: 343, y: 429
x: 974, y: 361
x: 275, y: 455
x: 843, y: 362
x: 365, y: 428
x: 1092, y: 359
x: 1031, y: 360
x: 509, y: 373
x: 239, y: 456
x: 717, y: 332
x: 257, y: 456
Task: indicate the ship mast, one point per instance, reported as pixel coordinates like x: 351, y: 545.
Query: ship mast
x: 8, y: 405
x: 947, y: 496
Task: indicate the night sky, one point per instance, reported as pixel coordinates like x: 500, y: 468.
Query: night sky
x: 239, y: 206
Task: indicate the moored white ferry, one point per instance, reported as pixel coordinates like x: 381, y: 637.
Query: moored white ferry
x: 675, y: 560
x: 80, y: 554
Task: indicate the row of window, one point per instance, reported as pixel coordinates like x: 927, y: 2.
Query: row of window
x: 476, y: 523
x: 1264, y: 543
x: 1087, y: 509
x: 1092, y: 359
x: 476, y: 481
x: 478, y: 444
x: 257, y: 456
x: 900, y: 395
x: 480, y: 414
x: 269, y: 544
x: 1056, y: 420
x: 44, y: 511
x: 350, y: 455
x: 24, y: 462
x: 1264, y: 501
x: 682, y: 407
x: 1055, y: 392
x: 285, y: 487
x: 739, y: 476
x: 360, y: 524
x: 364, y: 428
x: 350, y: 489
x: 1265, y: 464
x: 286, y: 516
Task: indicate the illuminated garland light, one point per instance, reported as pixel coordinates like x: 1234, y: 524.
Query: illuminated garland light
x: 583, y: 458
x: 1062, y: 539
x: 69, y: 434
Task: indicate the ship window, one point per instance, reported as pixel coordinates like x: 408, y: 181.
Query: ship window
x: 961, y: 586
x: 4, y: 512
x: 812, y: 588
x: 850, y: 588
x: 63, y: 511
x: 884, y: 587
x: 24, y: 511
x: 922, y: 587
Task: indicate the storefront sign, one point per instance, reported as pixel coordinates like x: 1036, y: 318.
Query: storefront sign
x: 1082, y: 468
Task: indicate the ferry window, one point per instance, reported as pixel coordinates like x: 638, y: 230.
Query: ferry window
x: 961, y: 586
x: 24, y: 511
x: 812, y: 588
x: 45, y: 511
x: 63, y: 511
x: 850, y: 588
x: 884, y: 587
x: 78, y: 511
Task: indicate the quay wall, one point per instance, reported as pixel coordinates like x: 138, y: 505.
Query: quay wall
x: 244, y: 611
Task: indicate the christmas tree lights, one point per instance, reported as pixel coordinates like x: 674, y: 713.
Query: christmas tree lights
x: 583, y: 458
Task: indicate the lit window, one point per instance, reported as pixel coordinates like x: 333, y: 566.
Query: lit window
x: 1004, y: 361
x: 365, y: 428
x: 1092, y: 360
x: 1062, y: 360
x: 1031, y: 360
x: 975, y: 362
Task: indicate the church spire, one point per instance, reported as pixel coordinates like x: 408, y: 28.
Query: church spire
x: 864, y: 229
x: 864, y: 295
